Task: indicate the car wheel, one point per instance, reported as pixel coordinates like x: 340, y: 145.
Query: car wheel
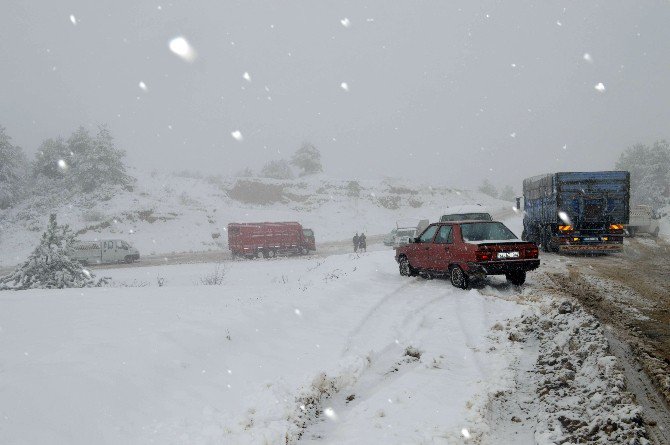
x: 271, y: 253
x: 655, y: 234
x: 516, y: 278
x: 129, y: 259
x: 406, y: 270
x: 458, y: 278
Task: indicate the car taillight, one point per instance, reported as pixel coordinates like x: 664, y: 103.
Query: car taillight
x: 565, y: 229
x: 616, y: 226
x: 532, y: 252
x: 482, y: 255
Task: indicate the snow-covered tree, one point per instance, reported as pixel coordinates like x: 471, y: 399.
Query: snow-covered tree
x: 488, y: 189
x: 277, y: 170
x: 82, y: 162
x: 507, y: 194
x: 97, y: 161
x: 53, y: 159
x: 308, y: 159
x: 649, y: 169
x: 50, y: 265
x: 12, y: 170
x: 245, y: 173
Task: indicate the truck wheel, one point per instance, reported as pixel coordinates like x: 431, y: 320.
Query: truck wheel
x: 406, y: 270
x: 458, y: 278
x: 516, y: 278
x: 631, y: 232
x: 655, y: 234
x: 271, y: 253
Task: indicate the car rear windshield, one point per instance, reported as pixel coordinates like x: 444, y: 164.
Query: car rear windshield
x: 308, y: 232
x: 466, y: 217
x: 489, y: 231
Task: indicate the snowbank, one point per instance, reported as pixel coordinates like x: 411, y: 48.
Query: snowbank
x: 336, y: 350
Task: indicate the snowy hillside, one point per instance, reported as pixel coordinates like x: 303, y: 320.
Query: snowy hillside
x: 182, y: 213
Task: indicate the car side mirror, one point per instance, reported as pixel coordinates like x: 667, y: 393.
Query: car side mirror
x: 415, y: 240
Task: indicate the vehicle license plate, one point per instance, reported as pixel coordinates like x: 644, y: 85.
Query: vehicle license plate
x: 590, y: 238
x: 502, y: 255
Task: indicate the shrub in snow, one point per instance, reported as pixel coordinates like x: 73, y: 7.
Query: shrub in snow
x: 50, y: 266
x: 215, y: 277
x: 277, y: 170
x: 13, y: 165
x: 308, y: 159
x: 649, y: 169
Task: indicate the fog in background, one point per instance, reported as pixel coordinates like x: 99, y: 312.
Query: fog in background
x: 448, y: 91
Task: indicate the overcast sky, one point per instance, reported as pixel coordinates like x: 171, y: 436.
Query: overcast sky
x: 448, y: 91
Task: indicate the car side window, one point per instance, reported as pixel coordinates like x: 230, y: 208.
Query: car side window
x: 428, y: 235
x: 444, y: 235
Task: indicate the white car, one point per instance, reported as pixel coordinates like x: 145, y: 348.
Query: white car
x: 403, y: 235
x: 104, y: 252
x: 642, y: 220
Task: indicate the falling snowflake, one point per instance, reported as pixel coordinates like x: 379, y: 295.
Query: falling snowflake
x: 558, y: 22
x: 143, y: 86
x: 237, y: 135
x: 330, y: 413
x: 565, y: 218
x: 345, y: 22
x: 587, y: 57
x: 297, y: 312
x: 465, y: 433
x: 513, y: 65
x: 62, y: 164
x: 344, y: 86
x: 600, y: 87
x: 181, y: 47
x: 246, y: 76
x: 512, y: 134
x: 73, y: 19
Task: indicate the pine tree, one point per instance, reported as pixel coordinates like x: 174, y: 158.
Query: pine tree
x: 307, y: 158
x: 649, y: 169
x: 12, y: 171
x: 53, y: 159
x: 488, y: 189
x: 99, y: 161
x: 277, y: 170
x: 49, y: 266
x: 507, y: 194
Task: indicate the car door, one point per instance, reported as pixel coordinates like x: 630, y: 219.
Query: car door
x: 421, y: 250
x: 441, y: 253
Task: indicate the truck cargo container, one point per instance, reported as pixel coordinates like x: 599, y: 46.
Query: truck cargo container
x: 269, y: 239
x: 577, y: 211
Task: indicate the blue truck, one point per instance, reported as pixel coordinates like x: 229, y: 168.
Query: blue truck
x: 577, y: 211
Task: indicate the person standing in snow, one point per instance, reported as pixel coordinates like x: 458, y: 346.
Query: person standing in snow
x: 355, y: 242
x: 361, y: 243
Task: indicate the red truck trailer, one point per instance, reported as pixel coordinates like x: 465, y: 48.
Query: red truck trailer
x: 269, y: 239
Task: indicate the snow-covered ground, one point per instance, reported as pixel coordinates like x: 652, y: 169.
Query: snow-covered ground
x: 326, y: 350
x: 165, y: 213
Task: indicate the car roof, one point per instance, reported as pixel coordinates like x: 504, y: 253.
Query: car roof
x: 465, y: 221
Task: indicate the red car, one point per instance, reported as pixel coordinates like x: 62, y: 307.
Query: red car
x: 467, y: 250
